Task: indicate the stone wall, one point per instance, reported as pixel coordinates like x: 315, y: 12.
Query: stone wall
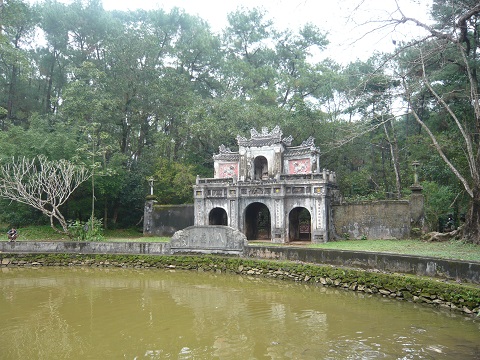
x: 455, y: 270
x: 165, y: 220
x: 372, y: 220
x: 388, y: 219
x: 459, y: 271
x: 81, y: 247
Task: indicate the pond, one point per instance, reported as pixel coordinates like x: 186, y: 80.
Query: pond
x: 95, y: 313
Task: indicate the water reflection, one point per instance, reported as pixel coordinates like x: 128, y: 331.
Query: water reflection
x: 151, y: 314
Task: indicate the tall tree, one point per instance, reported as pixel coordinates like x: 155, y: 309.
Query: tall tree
x: 18, y: 21
x: 442, y: 69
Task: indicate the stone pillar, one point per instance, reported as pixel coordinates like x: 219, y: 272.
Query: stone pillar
x: 417, y: 201
x: 278, y: 218
x: 417, y: 208
x: 148, y: 217
x: 320, y: 220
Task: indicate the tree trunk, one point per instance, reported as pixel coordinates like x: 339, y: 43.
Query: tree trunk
x: 472, y: 224
x: 394, y: 154
x: 105, y: 214
x: 12, y: 94
x: 48, y: 101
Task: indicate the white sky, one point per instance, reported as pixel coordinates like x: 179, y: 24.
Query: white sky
x: 340, y: 18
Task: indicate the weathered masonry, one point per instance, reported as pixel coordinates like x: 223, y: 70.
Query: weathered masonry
x: 268, y: 190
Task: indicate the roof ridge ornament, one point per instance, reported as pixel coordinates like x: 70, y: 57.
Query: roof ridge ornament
x: 222, y: 149
x: 288, y: 140
x: 264, y: 137
x: 275, y: 133
x: 310, y: 142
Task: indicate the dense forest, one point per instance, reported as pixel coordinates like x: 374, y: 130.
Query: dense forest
x: 153, y: 94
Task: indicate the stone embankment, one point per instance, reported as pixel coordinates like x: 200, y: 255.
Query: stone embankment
x: 456, y: 297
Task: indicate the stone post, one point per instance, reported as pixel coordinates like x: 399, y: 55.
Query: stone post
x: 417, y: 203
x: 148, y: 217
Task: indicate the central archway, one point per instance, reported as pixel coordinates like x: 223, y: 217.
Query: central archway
x: 300, y: 224
x: 218, y: 216
x: 257, y: 222
x: 261, y: 168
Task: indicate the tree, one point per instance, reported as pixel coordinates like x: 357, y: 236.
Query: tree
x: 442, y: 69
x: 17, y: 24
x: 43, y: 184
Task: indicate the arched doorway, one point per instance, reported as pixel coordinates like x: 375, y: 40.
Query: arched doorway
x: 257, y: 222
x: 261, y: 168
x: 218, y: 216
x: 300, y: 224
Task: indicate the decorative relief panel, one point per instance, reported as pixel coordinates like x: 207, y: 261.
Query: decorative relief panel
x: 298, y: 190
x: 228, y: 170
x: 299, y: 166
x: 256, y: 191
x: 319, y: 211
x: 216, y: 193
x: 277, y: 213
x: 233, y: 214
x: 199, y: 219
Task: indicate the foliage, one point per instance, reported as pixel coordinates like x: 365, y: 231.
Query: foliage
x: 84, y: 231
x: 174, y: 182
x: 439, y: 201
x: 141, y: 93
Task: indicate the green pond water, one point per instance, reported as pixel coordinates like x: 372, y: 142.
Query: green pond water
x: 93, y: 313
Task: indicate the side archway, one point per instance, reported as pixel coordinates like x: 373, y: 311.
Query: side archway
x: 218, y: 216
x: 300, y: 224
x: 257, y: 222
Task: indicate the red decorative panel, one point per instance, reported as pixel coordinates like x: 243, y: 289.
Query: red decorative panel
x: 299, y: 166
x: 228, y: 170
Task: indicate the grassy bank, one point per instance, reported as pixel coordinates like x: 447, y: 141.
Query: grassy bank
x: 46, y: 233
x: 454, y: 249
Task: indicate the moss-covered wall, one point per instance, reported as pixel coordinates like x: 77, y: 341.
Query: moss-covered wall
x: 165, y: 220
x: 456, y: 270
x: 372, y: 219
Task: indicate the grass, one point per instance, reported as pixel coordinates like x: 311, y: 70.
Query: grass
x: 46, y: 233
x: 453, y: 249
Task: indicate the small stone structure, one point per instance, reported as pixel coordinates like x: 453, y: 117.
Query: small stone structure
x: 164, y: 220
x: 216, y: 239
x: 268, y: 189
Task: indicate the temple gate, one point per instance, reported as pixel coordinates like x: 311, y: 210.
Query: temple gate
x: 268, y: 190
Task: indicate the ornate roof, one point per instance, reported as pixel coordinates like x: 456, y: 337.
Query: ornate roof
x: 264, y: 138
x: 224, y: 153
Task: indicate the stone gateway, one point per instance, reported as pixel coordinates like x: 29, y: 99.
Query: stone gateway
x: 268, y: 190
x: 272, y: 191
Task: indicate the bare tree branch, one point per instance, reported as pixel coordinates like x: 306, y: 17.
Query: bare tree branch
x: 436, y: 144
x: 42, y: 184
x: 468, y: 142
